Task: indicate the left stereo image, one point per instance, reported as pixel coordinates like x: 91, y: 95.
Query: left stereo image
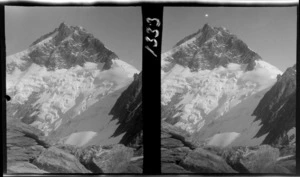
x: 74, y: 76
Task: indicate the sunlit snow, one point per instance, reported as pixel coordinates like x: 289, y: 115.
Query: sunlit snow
x: 216, y: 91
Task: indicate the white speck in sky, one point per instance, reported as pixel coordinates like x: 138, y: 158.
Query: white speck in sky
x: 206, y: 15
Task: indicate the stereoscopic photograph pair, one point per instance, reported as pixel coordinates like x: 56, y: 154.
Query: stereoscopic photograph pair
x: 222, y: 82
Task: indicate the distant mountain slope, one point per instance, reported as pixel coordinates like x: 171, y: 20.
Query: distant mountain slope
x: 65, y: 84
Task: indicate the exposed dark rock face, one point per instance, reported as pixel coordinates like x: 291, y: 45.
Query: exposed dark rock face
x: 128, y: 111
x: 212, y: 47
x: 23, y: 142
x: 277, y: 110
x: 68, y: 46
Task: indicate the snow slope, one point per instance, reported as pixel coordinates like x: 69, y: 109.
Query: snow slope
x: 238, y: 124
x: 209, y: 94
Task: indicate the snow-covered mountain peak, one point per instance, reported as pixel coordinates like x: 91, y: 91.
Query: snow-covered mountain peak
x: 65, y: 47
x: 208, y: 48
x: 62, y: 75
x: 207, y: 27
x: 63, y: 26
x: 209, y: 73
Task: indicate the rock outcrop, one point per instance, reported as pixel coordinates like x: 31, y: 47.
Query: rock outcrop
x: 24, y: 167
x: 257, y: 159
x: 55, y: 160
x: 23, y: 142
x: 106, y: 159
x: 277, y: 110
x: 180, y: 155
x: 128, y: 111
x: 29, y: 151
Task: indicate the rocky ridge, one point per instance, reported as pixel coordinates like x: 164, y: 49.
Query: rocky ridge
x: 277, y: 110
x: 128, y: 111
x: 180, y: 155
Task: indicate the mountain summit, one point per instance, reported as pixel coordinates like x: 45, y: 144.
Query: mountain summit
x: 65, y: 47
x: 208, y: 48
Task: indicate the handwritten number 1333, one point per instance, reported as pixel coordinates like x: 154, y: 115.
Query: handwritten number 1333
x: 151, y: 32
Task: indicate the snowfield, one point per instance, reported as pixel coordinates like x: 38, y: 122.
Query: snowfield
x: 223, y: 139
x: 238, y: 120
x: 65, y: 93
x: 209, y: 94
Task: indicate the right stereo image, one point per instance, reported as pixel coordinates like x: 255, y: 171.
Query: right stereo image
x: 228, y: 90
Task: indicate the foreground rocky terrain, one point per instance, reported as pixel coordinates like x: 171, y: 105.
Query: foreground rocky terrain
x: 181, y: 155
x: 28, y: 151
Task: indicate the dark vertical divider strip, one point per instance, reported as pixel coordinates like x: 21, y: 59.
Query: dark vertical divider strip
x: 152, y: 30
x: 298, y: 97
x: 3, y: 99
